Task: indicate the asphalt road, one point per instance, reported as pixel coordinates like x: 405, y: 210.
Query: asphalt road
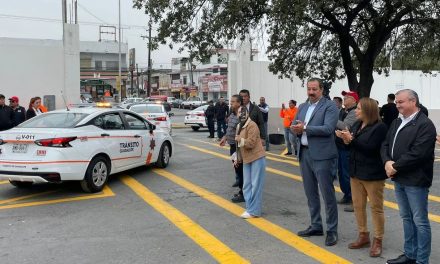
x: 183, y: 215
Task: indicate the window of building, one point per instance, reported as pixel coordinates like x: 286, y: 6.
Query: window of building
x: 98, y: 65
x: 185, y: 79
x: 111, y: 65
x: 223, y: 71
x: 215, y: 70
x: 175, y: 77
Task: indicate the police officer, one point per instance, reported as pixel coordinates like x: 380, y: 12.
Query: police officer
x: 19, y: 111
x: 6, y: 115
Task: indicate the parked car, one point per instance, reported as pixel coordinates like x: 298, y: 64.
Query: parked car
x: 192, y: 102
x: 155, y: 113
x: 88, y: 97
x: 130, y: 101
x: 176, y: 103
x: 196, y: 118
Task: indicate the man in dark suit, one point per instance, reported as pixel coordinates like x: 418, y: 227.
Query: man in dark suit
x: 254, y: 113
x: 210, y: 115
x: 389, y: 111
x: 408, y: 156
x: 315, y: 126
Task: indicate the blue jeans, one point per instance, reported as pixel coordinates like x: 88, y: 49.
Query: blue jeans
x: 343, y: 172
x: 290, y: 140
x: 221, y: 128
x: 413, y: 209
x: 253, y: 181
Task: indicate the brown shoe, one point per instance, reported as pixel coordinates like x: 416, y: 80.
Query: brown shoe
x: 362, y: 241
x: 376, y: 248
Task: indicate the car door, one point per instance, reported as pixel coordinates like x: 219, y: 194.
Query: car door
x: 122, y: 144
x: 141, y: 130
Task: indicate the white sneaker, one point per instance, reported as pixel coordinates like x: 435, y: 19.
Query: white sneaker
x: 247, y: 215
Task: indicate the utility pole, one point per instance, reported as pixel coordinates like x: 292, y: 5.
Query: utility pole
x: 137, y: 80
x: 118, y: 83
x: 149, y: 58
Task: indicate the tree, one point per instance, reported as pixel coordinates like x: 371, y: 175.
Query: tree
x: 332, y: 39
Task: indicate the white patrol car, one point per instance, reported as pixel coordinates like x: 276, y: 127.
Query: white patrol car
x: 81, y: 144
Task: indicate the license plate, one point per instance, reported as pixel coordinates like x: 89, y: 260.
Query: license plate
x: 192, y: 116
x: 20, y: 148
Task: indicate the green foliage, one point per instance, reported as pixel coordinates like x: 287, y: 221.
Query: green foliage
x: 331, y: 39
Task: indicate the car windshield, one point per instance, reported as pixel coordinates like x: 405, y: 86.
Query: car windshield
x: 201, y: 108
x: 54, y: 120
x: 147, y: 108
x: 193, y: 99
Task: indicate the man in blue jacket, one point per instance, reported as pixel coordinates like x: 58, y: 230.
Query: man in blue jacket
x: 315, y: 129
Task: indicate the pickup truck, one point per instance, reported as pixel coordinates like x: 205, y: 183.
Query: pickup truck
x: 192, y: 102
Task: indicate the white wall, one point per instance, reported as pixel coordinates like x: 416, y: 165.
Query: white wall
x: 256, y: 77
x: 35, y: 67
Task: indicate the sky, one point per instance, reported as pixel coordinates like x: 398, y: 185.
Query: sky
x: 41, y: 19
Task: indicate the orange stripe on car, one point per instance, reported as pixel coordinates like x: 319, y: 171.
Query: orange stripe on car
x: 44, y: 162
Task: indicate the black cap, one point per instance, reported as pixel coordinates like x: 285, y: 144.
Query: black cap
x: 2, y: 96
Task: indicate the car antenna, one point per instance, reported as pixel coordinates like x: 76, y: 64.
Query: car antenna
x: 65, y: 102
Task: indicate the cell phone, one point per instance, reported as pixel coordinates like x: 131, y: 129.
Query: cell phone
x: 295, y: 122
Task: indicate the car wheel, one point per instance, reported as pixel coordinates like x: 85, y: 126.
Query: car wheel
x: 164, y: 156
x: 96, y: 175
x: 20, y: 184
x: 191, y: 107
x: 195, y: 128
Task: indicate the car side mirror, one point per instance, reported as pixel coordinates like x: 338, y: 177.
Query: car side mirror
x: 152, y: 128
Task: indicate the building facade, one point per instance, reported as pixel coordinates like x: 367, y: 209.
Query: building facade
x: 99, y: 64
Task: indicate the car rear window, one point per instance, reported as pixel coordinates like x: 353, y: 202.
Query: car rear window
x: 201, y: 108
x: 147, y: 108
x: 54, y: 120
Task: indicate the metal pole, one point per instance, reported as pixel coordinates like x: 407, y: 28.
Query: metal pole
x: 64, y: 4
x: 119, y: 44
x: 149, y: 59
x: 137, y: 80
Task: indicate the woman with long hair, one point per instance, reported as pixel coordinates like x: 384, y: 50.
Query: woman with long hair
x: 34, y: 108
x: 367, y: 173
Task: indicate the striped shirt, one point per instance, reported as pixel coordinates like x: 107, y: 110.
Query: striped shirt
x: 232, y: 128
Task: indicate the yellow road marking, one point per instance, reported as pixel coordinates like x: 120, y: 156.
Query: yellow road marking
x: 284, y: 152
x: 295, y: 163
x: 286, y: 236
x: 24, y: 197
x: 226, y: 147
x: 4, y: 182
x: 432, y: 217
x: 198, y: 234
x: 106, y: 192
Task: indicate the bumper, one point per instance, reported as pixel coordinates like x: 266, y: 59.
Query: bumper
x: 30, y: 177
x: 51, y: 172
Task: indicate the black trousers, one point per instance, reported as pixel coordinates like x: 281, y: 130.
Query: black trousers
x: 211, y: 126
x: 239, y: 169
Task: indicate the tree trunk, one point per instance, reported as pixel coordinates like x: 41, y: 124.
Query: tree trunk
x: 366, y: 79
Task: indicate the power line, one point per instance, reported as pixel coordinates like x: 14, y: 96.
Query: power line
x: 54, y: 20
x: 90, y: 13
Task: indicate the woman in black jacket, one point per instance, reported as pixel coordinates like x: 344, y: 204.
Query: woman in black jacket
x: 367, y: 172
x: 34, y: 108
